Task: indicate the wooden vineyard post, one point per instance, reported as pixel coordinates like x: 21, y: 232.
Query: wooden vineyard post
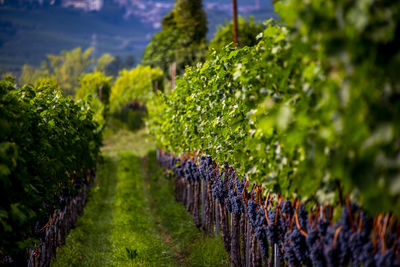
x: 235, y: 243
x: 276, y: 256
x: 216, y: 218
x: 235, y: 23
x: 232, y: 245
x: 242, y: 237
x: 203, y: 204
x: 248, y: 243
x: 189, y: 197
x: 173, y: 75
x: 155, y: 87
x: 101, y: 93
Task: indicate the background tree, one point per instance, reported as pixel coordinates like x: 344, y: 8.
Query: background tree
x: 120, y: 63
x: 130, y: 62
x: 96, y: 88
x: 30, y: 74
x: 67, y: 68
x: 103, y: 61
x: 248, y: 29
x: 182, y: 38
x: 96, y: 84
x: 136, y: 84
x: 191, y: 19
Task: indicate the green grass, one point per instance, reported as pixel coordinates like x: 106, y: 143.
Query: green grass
x: 132, y: 218
x: 90, y: 242
x: 194, y: 247
x: 116, y: 220
x: 136, y: 229
x: 125, y: 132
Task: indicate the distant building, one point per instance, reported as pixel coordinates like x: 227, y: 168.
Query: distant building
x: 87, y: 5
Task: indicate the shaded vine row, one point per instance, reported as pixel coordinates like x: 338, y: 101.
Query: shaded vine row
x: 266, y: 230
x: 48, y: 146
x: 61, y: 221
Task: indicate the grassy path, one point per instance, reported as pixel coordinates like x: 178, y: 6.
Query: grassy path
x: 132, y: 218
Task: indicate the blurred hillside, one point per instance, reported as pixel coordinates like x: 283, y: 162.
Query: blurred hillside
x: 30, y: 29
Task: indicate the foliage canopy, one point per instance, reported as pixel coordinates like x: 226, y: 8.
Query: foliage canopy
x: 135, y: 84
x: 311, y: 111
x: 182, y: 39
x: 46, y: 143
x: 96, y: 89
x: 67, y: 68
x: 248, y: 32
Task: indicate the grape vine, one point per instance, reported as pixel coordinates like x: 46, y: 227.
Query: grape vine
x: 288, y: 116
x: 49, y: 147
x: 310, y: 238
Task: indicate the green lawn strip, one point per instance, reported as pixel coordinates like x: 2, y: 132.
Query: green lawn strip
x: 124, y: 141
x: 132, y: 217
x: 191, y: 247
x: 121, y: 137
x: 90, y: 242
x: 117, y: 227
x: 137, y: 235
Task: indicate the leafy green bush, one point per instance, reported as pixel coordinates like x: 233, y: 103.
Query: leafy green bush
x: 46, y: 143
x: 182, y: 39
x: 358, y: 44
x: 304, y: 112
x: 248, y: 31
x: 96, y: 89
x: 30, y: 74
x: 135, y: 84
x: 66, y: 68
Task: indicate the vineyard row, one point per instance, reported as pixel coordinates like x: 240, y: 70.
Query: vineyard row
x: 272, y: 231
x: 61, y: 221
x: 49, y: 146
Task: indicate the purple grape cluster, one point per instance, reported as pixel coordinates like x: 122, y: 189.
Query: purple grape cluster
x: 258, y: 221
x: 191, y: 171
x: 261, y: 232
x: 206, y: 168
x: 218, y: 189
x: 289, y: 253
x: 234, y: 203
x: 317, y: 242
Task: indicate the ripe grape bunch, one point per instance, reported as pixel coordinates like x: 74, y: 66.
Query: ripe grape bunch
x: 308, y: 238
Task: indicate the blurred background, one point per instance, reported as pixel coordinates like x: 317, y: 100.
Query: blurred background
x: 31, y: 29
